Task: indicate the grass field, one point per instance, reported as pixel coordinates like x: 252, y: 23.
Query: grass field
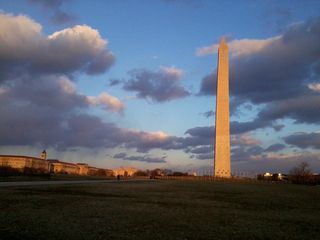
x: 51, y: 177
x: 161, y: 210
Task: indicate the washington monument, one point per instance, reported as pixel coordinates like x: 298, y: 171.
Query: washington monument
x: 222, y: 139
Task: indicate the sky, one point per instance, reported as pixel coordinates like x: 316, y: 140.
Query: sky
x: 132, y: 82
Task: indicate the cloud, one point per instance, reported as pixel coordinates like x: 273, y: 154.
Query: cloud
x: 235, y: 128
x: 159, y: 86
x: 202, y: 152
x: 24, y: 47
x: 277, y: 73
x: 106, y: 101
x: 314, y: 86
x: 275, y: 147
x: 304, y: 109
x: 244, y: 140
x: 239, y: 47
x: 120, y: 155
x: 243, y: 127
x: 278, y: 127
x: 286, y: 158
x: 205, y: 156
x: 304, y: 140
x: 203, y: 132
x: 114, y: 82
x: 208, y: 114
x: 200, y: 149
x: 144, y: 158
x: 53, y: 7
x: 40, y: 104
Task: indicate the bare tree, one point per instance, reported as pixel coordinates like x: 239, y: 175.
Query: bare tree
x: 301, y: 174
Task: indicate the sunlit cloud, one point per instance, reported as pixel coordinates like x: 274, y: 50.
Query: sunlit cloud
x: 239, y: 47
x: 106, y: 101
x: 79, y: 48
x: 314, y: 86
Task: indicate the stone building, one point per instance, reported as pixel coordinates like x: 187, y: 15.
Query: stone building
x: 42, y: 165
x: 24, y: 162
x: 126, y: 172
x: 57, y: 166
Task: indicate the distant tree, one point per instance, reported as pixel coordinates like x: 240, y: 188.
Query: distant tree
x: 301, y: 174
x: 167, y: 172
x: 179, y: 174
x: 156, y: 172
x: 141, y: 173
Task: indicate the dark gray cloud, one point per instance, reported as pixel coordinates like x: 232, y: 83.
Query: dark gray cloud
x: 242, y: 127
x: 278, y: 127
x: 61, y: 17
x: 248, y: 153
x: 54, y: 9
x: 144, y: 158
x: 278, y: 74
x: 205, y: 156
x: 201, y: 152
x: 235, y: 128
x: 304, y: 109
x: 304, y: 140
x: 120, y: 155
x: 159, y: 86
x: 275, y: 147
x: 208, y: 114
x: 204, y: 132
x: 200, y: 149
x: 114, y: 82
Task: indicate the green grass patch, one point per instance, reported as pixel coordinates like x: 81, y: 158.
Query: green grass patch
x: 161, y: 210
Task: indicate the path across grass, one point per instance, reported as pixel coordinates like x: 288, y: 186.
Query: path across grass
x: 161, y: 210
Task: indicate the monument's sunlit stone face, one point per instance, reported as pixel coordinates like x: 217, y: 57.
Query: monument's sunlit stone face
x: 222, y: 139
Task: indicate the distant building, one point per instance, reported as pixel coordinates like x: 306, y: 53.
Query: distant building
x: 83, y: 168
x: 43, y: 155
x: 272, y: 176
x: 41, y: 164
x: 24, y: 162
x: 57, y: 166
x: 125, y: 172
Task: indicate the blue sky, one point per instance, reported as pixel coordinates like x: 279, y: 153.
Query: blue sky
x: 131, y: 83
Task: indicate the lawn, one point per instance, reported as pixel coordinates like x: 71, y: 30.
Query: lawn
x: 52, y: 177
x: 161, y: 210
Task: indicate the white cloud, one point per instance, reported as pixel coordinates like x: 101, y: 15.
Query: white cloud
x: 240, y: 47
x: 67, y: 85
x: 106, y: 101
x: 314, y: 86
x: 19, y: 35
x: 80, y: 48
x: 173, y: 72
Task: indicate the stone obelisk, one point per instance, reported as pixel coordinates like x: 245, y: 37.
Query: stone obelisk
x: 222, y: 138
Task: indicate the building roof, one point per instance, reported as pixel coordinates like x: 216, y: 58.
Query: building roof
x: 58, y: 161
x: 21, y: 156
